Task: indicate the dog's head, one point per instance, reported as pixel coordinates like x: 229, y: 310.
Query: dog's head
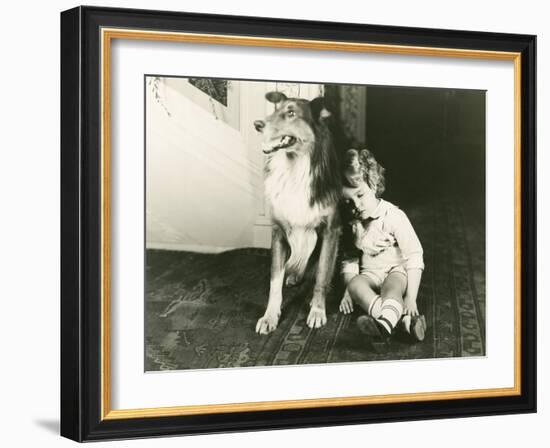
x: 292, y: 126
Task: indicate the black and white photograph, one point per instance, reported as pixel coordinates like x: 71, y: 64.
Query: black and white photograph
x: 277, y: 224
x: 280, y: 223
x: 291, y: 223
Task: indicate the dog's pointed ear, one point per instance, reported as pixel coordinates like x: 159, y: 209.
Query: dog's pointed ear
x: 319, y: 109
x: 275, y: 98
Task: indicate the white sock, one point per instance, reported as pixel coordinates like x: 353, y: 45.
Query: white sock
x: 375, y: 307
x: 390, y: 313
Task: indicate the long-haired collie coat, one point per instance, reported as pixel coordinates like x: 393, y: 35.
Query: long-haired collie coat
x: 302, y: 186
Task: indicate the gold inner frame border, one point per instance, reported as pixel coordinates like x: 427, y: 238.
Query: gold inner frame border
x: 107, y: 35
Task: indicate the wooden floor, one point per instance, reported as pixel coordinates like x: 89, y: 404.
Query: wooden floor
x: 201, y: 309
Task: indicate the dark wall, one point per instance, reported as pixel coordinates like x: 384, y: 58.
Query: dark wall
x: 431, y: 141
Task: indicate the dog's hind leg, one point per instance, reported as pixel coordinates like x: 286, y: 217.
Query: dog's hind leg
x: 325, y: 270
x: 270, y: 319
x: 293, y: 280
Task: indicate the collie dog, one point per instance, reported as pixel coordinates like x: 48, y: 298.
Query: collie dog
x: 303, y: 187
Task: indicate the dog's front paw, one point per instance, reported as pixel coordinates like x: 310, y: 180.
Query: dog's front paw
x: 317, y: 317
x: 267, y: 323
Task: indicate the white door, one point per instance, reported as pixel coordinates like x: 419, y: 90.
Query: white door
x: 204, y: 166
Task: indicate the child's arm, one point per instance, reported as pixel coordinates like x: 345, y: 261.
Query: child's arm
x: 350, y: 268
x: 413, y: 284
x: 410, y: 246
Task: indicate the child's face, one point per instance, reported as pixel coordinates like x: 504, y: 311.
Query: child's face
x: 358, y: 198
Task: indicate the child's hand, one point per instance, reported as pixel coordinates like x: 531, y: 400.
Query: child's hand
x: 374, y: 246
x: 381, y: 244
x: 409, y: 307
x: 346, y: 305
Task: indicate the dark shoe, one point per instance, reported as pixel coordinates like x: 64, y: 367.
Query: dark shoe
x: 419, y: 327
x: 369, y: 326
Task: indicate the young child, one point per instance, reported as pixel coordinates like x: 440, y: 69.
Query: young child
x: 385, y: 276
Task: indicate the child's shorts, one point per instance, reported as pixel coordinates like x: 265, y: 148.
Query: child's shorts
x: 379, y: 275
x: 376, y: 275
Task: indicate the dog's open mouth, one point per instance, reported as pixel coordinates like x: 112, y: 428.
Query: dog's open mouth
x: 285, y: 141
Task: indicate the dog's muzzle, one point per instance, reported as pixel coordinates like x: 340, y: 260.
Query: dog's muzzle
x: 286, y: 141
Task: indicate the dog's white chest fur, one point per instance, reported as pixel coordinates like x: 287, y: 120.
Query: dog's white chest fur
x: 288, y: 189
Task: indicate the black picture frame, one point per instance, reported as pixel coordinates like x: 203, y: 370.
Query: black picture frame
x: 81, y: 256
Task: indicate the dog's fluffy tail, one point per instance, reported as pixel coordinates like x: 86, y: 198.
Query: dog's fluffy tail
x: 302, y: 242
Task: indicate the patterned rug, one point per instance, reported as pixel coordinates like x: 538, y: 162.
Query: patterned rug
x: 201, y: 309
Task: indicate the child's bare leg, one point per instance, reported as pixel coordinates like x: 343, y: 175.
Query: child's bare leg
x: 362, y: 291
x: 392, y: 292
x: 394, y: 289
x: 394, y: 286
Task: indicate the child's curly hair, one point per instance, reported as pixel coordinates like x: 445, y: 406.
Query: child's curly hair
x: 362, y: 162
